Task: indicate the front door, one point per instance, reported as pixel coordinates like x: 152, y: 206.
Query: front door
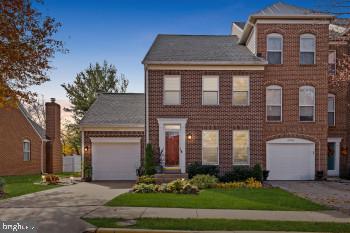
x: 333, y: 159
x: 172, y: 148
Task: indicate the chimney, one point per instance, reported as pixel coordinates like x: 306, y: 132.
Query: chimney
x: 53, y: 134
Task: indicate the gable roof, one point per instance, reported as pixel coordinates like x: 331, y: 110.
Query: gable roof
x: 200, y: 49
x: 115, y: 109
x: 240, y: 24
x: 38, y: 129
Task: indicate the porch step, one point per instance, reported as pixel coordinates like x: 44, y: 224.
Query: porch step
x: 166, y: 178
x: 172, y: 170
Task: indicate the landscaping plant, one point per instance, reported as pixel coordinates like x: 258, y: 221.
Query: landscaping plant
x: 249, y: 183
x: 242, y: 173
x: 2, y: 186
x: 197, y: 168
x: 146, y: 180
x: 180, y: 186
x: 204, y: 181
x: 149, y: 166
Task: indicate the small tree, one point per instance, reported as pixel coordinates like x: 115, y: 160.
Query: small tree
x: 149, y: 160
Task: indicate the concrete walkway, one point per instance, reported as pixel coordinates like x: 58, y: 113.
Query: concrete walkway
x: 147, y: 212
x: 59, y: 210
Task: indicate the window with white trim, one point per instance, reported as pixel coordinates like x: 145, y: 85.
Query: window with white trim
x: 172, y: 90
x: 26, y: 150
x: 240, y: 86
x: 210, y: 90
x: 331, y: 110
x: 274, y: 103
x: 210, y: 147
x: 274, y: 48
x: 332, y: 62
x: 241, y: 147
x: 307, y: 103
x: 307, y: 49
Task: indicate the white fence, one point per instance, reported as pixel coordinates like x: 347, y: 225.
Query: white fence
x: 72, y: 163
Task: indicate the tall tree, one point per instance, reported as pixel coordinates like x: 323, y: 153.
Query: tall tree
x: 87, y: 84
x: 36, y: 110
x: 27, y: 44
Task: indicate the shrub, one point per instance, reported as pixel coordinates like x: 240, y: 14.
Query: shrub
x: 249, y: 183
x: 52, y: 179
x: 197, y: 168
x: 253, y: 183
x: 145, y: 188
x: 149, y: 165
x: 242, y: 173
x: 265, y: 174
x: 146, y: 180
x: 180, y: 186
x: 2, y: 186
x: 204, y: 181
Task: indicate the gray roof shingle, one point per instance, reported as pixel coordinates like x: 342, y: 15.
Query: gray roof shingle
x: 283, y: 9
x: 40, y: 130
x: 240, y: 24
x: 200, y: 49
x: 111, y: 109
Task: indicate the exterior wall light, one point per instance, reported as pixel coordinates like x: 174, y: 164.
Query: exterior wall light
x: 86, y: 149
x: 189, y: 136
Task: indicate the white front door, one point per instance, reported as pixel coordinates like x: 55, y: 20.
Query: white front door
x: 333, y: 156
x: 290, y: 159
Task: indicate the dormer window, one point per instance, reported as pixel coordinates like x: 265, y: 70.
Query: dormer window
x: 274, y: 48
x: 307, y: 49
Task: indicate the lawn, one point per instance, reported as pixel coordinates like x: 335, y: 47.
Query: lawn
x: 248, y: 199
x: 224, y: 225
x: 20, y: 185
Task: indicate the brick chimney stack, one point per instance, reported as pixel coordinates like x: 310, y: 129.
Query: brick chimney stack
x: 53, y: 134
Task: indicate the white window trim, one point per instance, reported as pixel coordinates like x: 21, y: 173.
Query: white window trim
x: 274, y: 35
x: 307, y: 36
x: 27, y: 141
x: 275, y: 87
x: 233, y: 90
x: 164, y: 91
x: 335, y: 64
x: 314, y: 104
x: 218, y: 90
x: 332, y: 96
x: 233, y: 149
x: 217, y: 142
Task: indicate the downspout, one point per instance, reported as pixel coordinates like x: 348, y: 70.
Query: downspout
x: 82, y: 154
x: 146, y: 105
x: 42, y: 156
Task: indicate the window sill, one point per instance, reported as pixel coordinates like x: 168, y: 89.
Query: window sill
x: 308, y: 65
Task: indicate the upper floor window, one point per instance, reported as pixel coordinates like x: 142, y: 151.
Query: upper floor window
x: 307, y: 103
x: 172, y: 90
x: 274, y: 103
x: 332, y: 62
x: 210, y: 90
x: 307, y: 49
x: 240, y: 95
x: 331, y: 110
x: 240, y: 147
x: 210, y: 147
x: 274, y: 48
x: 26, y: 150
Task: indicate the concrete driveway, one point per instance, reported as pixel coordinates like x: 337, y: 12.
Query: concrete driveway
x: 335, y: 194
x: 59, y: 210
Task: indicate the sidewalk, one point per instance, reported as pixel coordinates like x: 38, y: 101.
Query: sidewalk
x: 146, y: 212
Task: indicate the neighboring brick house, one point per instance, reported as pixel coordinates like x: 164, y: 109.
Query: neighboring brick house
x: 258, y: 96
x: 27, y: 148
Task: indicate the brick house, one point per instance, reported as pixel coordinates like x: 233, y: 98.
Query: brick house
x: 258, y: 96
x: 27, y: 148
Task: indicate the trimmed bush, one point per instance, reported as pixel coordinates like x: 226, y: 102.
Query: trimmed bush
x: 204, y: 181
x: 249, y: 183
x: 149, y: 166
x: 179, y: 186
x: 146, y: 180
x: 242, y: 173
x: 197, y: 168
x: 145, y: 188
x: 2, y: 186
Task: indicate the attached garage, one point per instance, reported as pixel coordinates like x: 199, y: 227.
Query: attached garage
x: 115, y: 158
x: 290, y: 159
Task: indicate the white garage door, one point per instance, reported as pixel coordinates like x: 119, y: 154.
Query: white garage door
x: 115, y: 158
x: 290, y: 159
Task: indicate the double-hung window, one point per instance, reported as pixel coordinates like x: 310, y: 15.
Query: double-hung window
x: 240, y: 147
x: 172, y: 90
x: 274, y: 48
x: 332, y: 62
x: 274, y: 103
x: 240, y: 95
x: 210, y: 147
x: 26, y: 150
x: 307, y: 103
x: 307, y: 49
x: 210, y: 90
x: 331, y: 110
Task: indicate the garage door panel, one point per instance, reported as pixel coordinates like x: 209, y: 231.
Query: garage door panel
x: 115, y: 161
x: 290, y: 161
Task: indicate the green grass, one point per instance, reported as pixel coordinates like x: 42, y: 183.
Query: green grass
x: 68, y: 174
x: 224, y: 225
x: 20, y: 185
x: 249, y: 199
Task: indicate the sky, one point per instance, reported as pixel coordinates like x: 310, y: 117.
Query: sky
x: 121, y: 32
